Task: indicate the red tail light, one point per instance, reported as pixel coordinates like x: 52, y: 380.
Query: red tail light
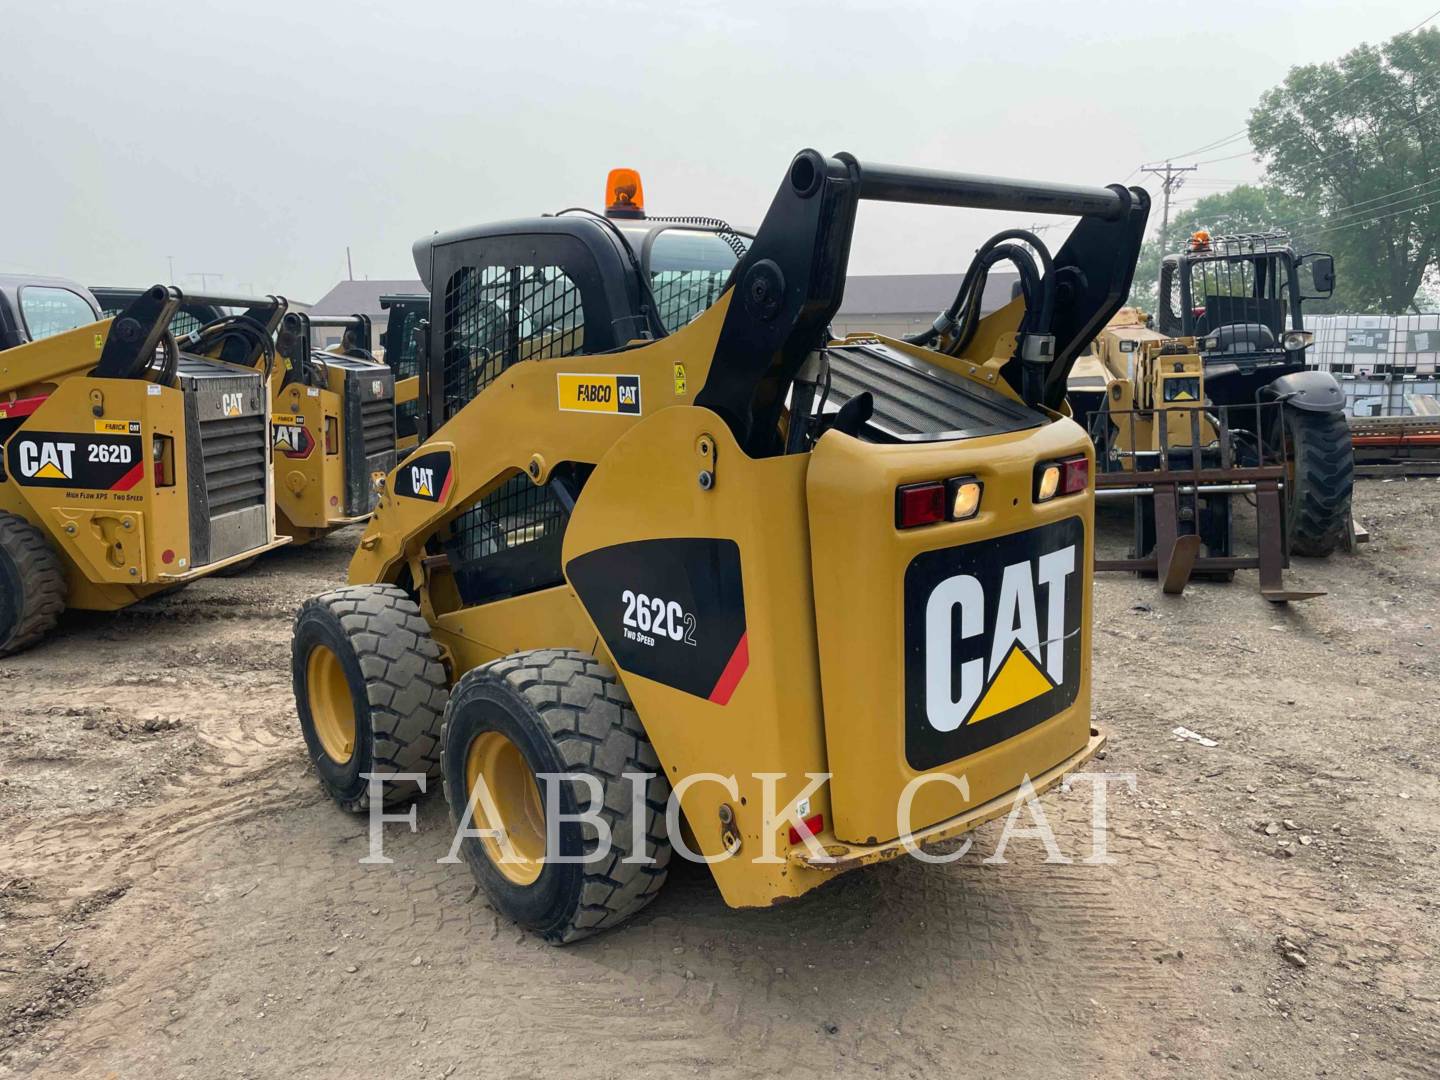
x: 812, y: 826
x: 162, y: 453
x: 1065, y: 477
x: 919, y: 504
x: 1074, y: 475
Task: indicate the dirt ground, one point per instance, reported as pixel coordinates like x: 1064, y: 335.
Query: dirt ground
x: 178, y: 899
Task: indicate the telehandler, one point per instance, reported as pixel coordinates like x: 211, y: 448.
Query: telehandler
x: 131, y: 467
x: 663, y: 534
x: 1214, y: 403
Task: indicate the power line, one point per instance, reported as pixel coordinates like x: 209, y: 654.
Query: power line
x: 1172, y: 178
x: 1432, y: 188
x: 1367, y: 220
x: 1245, y: 131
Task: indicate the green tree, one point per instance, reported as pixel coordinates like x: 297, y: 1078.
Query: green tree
x: 1359, y: 138
x: 1244, y: 209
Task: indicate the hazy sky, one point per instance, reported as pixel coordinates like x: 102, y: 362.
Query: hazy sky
x: 257, y: 140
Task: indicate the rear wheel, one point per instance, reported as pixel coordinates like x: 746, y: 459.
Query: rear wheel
x: 1320, y: 476
x: 370, y: 688
x: 555, y: 711
x: 32, y: 584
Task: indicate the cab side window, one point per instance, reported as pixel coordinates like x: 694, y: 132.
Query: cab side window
x: 46, y: 311
x: 495, y: 316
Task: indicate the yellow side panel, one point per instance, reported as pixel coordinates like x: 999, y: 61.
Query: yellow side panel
x: 648, y: 488
x: 939, y: 688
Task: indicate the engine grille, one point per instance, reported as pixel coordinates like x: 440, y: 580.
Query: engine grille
x: 377, y: 426
x: 235, y: 458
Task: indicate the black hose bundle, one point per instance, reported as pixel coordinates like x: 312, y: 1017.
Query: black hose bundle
x: 239, y: 327
x: 165, y: 363
x: 959, y: 321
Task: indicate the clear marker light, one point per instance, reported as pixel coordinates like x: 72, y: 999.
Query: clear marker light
x: 1049, y: 483
x: 964, y: 497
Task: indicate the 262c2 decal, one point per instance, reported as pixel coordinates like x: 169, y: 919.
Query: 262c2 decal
x: 646, y: 616
x: 672, y: 610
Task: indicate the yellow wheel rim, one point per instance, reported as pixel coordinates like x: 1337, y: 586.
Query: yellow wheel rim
x: 332, y: 709
x: 511, y: 801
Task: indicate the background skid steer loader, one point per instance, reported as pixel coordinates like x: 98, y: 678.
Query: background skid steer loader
x: 130, y: 466
x: 618, y: 550
x: 403, y: 333
x: 334, y: 426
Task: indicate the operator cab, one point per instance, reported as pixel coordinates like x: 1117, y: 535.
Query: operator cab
x: 1240, y: 297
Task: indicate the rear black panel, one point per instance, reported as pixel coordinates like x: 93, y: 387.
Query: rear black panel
x: 992, y: 640
x: 919, y: 402
x: 369, y: 406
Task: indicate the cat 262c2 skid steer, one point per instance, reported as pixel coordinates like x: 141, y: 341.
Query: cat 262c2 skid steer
x: 660, y: 523
x: 130, y: 466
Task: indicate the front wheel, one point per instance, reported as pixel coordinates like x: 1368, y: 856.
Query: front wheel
x: 565, y: 714
x: 1320, y: 476
x: 370, y: 688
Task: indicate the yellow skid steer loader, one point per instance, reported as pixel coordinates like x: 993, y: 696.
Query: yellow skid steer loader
x: 672, y: 567
x: 130, y: 466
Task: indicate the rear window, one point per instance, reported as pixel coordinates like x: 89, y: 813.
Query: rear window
x: 46, y: 311
x: 688, y: 271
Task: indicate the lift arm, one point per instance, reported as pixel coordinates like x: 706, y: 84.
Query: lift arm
x: 790, y: 283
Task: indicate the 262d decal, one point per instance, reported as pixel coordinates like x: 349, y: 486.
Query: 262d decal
x: 73, y: 460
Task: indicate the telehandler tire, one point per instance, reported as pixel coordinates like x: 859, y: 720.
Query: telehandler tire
x: 1321, y: 467
x: 554, y: 711
x: 370, y: 688
x: 32, y: 584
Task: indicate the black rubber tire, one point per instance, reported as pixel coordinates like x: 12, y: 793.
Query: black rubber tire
x: 566, y: 712
x: 32, y: 584
x: 397, y: 682
x: 1317, y: 501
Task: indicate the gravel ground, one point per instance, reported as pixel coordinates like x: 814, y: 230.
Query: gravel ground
x: 178, y: 899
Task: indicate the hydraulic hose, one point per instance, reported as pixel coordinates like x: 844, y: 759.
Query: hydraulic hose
x: 964, y: 310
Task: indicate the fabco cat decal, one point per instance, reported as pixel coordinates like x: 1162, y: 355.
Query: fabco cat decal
x: 599, y: 393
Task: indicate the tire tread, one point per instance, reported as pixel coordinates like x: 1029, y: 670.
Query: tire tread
x: 42, y: 577
x: 596, y: 729
x: 406, y: 683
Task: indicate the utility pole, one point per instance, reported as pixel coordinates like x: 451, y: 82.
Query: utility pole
x: 1172, y: 178
x: 205, y: 279
x: 171, y: 260
x: 349, y: 266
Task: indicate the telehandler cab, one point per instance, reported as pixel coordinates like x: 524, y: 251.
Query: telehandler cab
x: 663, y: 534
x: 131, y: 466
